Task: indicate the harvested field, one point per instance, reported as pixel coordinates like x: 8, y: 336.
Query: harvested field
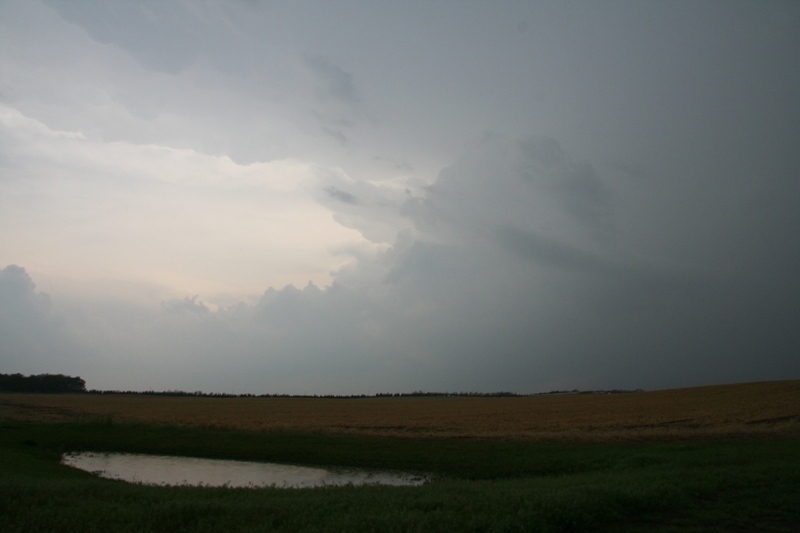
x: 768, y: 408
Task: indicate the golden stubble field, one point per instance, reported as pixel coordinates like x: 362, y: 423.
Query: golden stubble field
x: 768, y: 408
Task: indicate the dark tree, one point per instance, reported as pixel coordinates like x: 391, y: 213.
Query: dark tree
x: 48, y: 383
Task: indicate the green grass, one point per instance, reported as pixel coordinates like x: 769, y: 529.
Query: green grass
x: 479, y: 485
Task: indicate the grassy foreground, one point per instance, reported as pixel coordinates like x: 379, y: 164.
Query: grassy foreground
x: 747, y: 484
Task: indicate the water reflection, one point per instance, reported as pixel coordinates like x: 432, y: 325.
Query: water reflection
x: 167, y: 470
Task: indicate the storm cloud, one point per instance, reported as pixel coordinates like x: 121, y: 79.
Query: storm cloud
x: 359, y: 198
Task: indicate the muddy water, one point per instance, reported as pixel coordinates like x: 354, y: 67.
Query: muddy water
x: 168, y: 470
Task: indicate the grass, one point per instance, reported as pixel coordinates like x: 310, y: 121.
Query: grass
x: 723, y: 484
x: 723, y: 458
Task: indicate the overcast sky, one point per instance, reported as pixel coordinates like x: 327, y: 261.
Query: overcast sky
x: 372, y: 196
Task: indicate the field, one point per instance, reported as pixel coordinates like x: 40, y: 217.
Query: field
x: 723, y: 458
x: 771, y: 408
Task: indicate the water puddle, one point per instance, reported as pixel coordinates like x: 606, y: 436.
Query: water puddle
x: 168, y: 470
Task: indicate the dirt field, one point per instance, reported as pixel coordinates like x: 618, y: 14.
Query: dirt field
x: 769, y: 408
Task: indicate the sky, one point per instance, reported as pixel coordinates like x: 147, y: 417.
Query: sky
x: 357, y: 197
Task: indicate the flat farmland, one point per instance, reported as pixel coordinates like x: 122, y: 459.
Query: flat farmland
x: 720, y: 458
x: 751, y: 409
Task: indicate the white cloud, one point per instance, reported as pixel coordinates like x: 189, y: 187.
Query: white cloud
x: 173, y: 217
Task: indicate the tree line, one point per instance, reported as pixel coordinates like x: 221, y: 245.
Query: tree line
x: 47, y: 383
x: 59, y: 383
x: 414, y: 394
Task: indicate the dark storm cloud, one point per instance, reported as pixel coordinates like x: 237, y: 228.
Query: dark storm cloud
x: 629, y: 220
x: 342, y: 196
x: 155, y: 33
x: 337, y: 135
x: 678, y: 312
x: 30, y: 336
x: 335, y: 127
x: 338, y: 98
x: 547, y: 252
x: 18, y: 293
x: 186, y: 305
x: 486, y: 297
x: 576, y: 185
x: 628, y: 169
x: 334, y: 82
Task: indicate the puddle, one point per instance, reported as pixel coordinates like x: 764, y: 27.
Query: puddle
x: 168, y: 470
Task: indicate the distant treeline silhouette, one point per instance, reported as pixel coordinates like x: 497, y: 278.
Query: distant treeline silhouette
x: 354, y: 396
x: 58, y: 383
x: 47, y: 383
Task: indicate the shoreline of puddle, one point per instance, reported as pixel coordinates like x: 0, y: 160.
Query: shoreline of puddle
x: 164, y: 470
